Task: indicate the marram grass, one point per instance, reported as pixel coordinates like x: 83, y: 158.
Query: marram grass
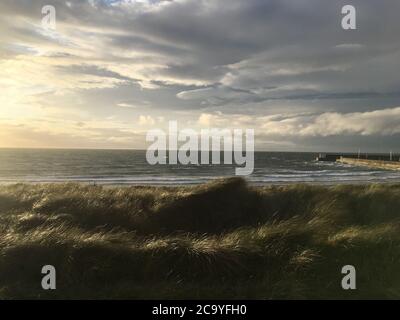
x: 219, y: 240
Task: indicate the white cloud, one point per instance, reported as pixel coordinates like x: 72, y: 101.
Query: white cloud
x: 378, y: 122
x: 146, y: 120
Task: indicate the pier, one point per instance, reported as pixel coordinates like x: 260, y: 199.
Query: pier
x: 378, y: 164
x: 378, y: 161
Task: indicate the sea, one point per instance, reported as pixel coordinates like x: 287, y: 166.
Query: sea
x: 130, y: 167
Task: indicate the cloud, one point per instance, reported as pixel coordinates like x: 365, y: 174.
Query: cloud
x: 93, y: 70
x: 249, y: 60
x: 208, y: 120
x: 242, y: 45
x: 378, y: 122
x: 146, y: 120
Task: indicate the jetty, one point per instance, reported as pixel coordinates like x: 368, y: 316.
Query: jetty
x: 377, y: 161
x: 379, y: 164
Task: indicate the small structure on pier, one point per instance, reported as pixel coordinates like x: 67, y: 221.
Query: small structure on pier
x: 328, y: 157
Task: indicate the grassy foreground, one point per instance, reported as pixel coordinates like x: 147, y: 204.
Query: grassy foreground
x: 220, y: 240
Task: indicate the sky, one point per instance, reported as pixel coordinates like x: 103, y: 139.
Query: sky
x: 112, y: 70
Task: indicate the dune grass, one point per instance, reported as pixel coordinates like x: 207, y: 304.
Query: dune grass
x: 220, y: 240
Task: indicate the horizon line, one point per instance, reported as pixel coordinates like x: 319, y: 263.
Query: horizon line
x: 138, y: 149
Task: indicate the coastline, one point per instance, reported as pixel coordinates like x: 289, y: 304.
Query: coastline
x: 392, y: 181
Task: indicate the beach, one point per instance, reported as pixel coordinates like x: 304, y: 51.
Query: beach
x: 223, y: 239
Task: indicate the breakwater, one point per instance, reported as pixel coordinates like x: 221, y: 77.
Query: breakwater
x: 379, y: 164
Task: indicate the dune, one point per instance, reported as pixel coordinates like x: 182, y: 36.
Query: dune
x: 224, y: 239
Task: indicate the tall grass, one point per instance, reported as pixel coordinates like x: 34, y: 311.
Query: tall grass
x: 219, y: 240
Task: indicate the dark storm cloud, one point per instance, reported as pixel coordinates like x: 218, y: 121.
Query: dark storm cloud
x: 251, y: 42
